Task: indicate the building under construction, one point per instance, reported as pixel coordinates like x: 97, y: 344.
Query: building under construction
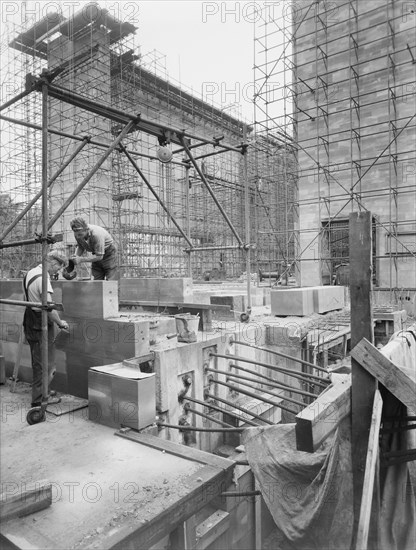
x: 249, y: 381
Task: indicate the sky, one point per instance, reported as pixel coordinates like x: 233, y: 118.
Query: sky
x: 207, y: 46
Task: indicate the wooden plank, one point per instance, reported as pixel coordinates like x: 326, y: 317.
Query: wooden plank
x: 363, y: 384
x: 176, y: 449
x: 319, y: 419
x: 401, y: 383
x: 370, y: 474
x: 24, y: 500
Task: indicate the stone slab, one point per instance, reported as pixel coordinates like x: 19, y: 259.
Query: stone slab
x: 328, y: 298
x: 236, y: 303
x: 172, y: 290
x: 90, y: 299
x: 117, y: 399
x: 292, y: 301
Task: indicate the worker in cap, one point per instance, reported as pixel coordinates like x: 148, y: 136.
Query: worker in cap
x: 32, y: 323
x: 98, y: 242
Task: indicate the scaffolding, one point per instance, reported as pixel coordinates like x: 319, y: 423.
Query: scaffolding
x: 338, y: 78
x: 143, y: 202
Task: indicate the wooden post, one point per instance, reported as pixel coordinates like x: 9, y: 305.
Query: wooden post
x: 363, y: 384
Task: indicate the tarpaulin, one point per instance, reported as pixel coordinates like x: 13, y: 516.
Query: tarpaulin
x: 310, y: 495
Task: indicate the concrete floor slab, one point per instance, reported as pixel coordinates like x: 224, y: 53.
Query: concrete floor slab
x: 103, y: 486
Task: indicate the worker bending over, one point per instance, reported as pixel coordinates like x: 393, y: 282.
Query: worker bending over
x: 99, y: 242
x: 32, y: 323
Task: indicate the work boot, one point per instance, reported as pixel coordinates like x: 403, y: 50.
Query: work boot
x: 51, y: 401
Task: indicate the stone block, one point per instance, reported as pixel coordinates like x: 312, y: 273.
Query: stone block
x: 236, y: 303
x: 90, y: 299
x: 157, y: 289
x: 328, y: 298
x: 292, y: 301
x: 121, y: 396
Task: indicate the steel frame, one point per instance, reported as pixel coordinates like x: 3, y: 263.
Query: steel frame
x: 165, y: 134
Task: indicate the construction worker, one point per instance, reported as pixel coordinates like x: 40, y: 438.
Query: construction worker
x: 32, y: 324
x: 99, y: 242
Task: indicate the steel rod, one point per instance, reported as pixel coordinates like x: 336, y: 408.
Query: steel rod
x: 159, y: 200
x: 239, y: 408
x: 396, y: 135
x: 79, y: 138
x: 241, y: 494
x: 280, y: 354
x: 208, y: 417
x: 211, y: 192
x: 84, y: 182
x: 146, y: 125
x: 247, y: 224
x: 302, y: 376
x: 19, y: 243
x: 219, y: 247
x: 15, y: 99
x: 278, y: 384
x: 240, y: 377
x: 45, y: 275
x: 194, y: 429
x: 39, y: 305
x: 220, y: 409
x: 51, y: 239
x: 283, y: 397
x: 39, y: 194
x: 254, y: 395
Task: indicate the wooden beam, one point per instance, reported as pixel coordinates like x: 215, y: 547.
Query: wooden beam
x: 23, y: 500
x: 319, y: 419
x: 363, y: 385
x: 370, y: 474
x: 176, y: 449
x: 401, y: 382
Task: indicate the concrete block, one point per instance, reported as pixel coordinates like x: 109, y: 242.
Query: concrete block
x: 90, y: 299
x: 236, y: 303
x: 157, y: 289
x: 292, y: 301
x: 328, y: 298
x: 121, y: 396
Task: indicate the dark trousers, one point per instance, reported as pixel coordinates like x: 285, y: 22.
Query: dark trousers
x: 107, y: 267
x: 36, y: 353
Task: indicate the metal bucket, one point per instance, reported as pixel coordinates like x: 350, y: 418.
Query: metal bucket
x: 186, y: 327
